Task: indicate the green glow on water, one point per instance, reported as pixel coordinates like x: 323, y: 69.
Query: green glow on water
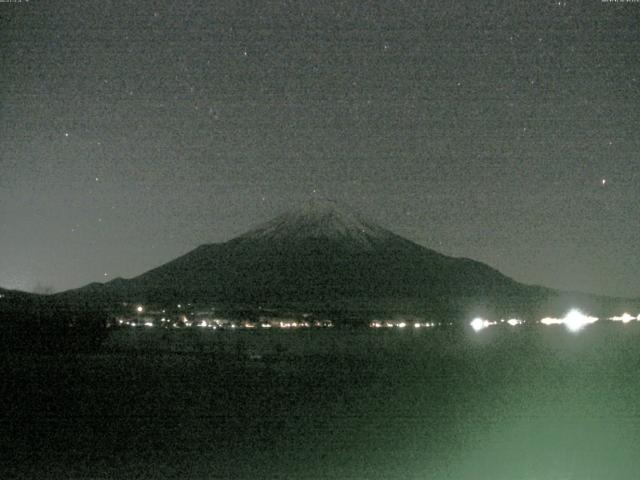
x: 501, y: 404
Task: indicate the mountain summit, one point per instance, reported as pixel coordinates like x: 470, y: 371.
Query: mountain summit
x: 320, y: 220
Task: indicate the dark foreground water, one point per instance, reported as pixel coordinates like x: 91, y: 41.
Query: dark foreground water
x: 507, y: 403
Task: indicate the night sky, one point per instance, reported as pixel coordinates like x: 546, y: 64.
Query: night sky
x: 507, y: 132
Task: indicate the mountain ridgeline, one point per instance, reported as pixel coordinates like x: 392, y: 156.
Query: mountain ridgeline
x: 50, y: 323
x: 321, y: 258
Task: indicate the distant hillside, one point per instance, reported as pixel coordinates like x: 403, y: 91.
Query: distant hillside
x: 17, y: 301
x: 49, y: 324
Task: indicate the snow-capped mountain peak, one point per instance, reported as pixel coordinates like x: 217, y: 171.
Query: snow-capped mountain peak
x: 320, y: 219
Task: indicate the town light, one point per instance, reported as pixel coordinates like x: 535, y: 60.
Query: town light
x: 576, y: 320
x: 624, y: 318
x: 551, y: 321
x: 478, y: 324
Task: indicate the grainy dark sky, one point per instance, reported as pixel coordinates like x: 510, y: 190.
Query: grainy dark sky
x: 133, y: 131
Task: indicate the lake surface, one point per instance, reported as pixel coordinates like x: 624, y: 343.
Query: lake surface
x: 504, y: 403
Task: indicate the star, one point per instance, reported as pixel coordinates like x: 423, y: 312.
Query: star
x: 604, y: 181
x: 66, y: 134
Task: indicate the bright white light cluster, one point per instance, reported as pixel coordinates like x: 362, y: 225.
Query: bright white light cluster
x: 624, y: 318
x: 480, y: 323
x: 551, y: 321
x: 294, y: 324
x: 575, y: 320
x: 399, y: 324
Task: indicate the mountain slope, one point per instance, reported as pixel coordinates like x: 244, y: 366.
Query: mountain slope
x: 322, y: 257
x: 17, y: 301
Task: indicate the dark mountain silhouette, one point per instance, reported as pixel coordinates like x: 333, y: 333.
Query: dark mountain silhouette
x: 47, y: 323
x: 15, y: 300
x: 322, y: 258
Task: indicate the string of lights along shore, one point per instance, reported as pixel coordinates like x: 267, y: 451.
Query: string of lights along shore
x: 186, y: 317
